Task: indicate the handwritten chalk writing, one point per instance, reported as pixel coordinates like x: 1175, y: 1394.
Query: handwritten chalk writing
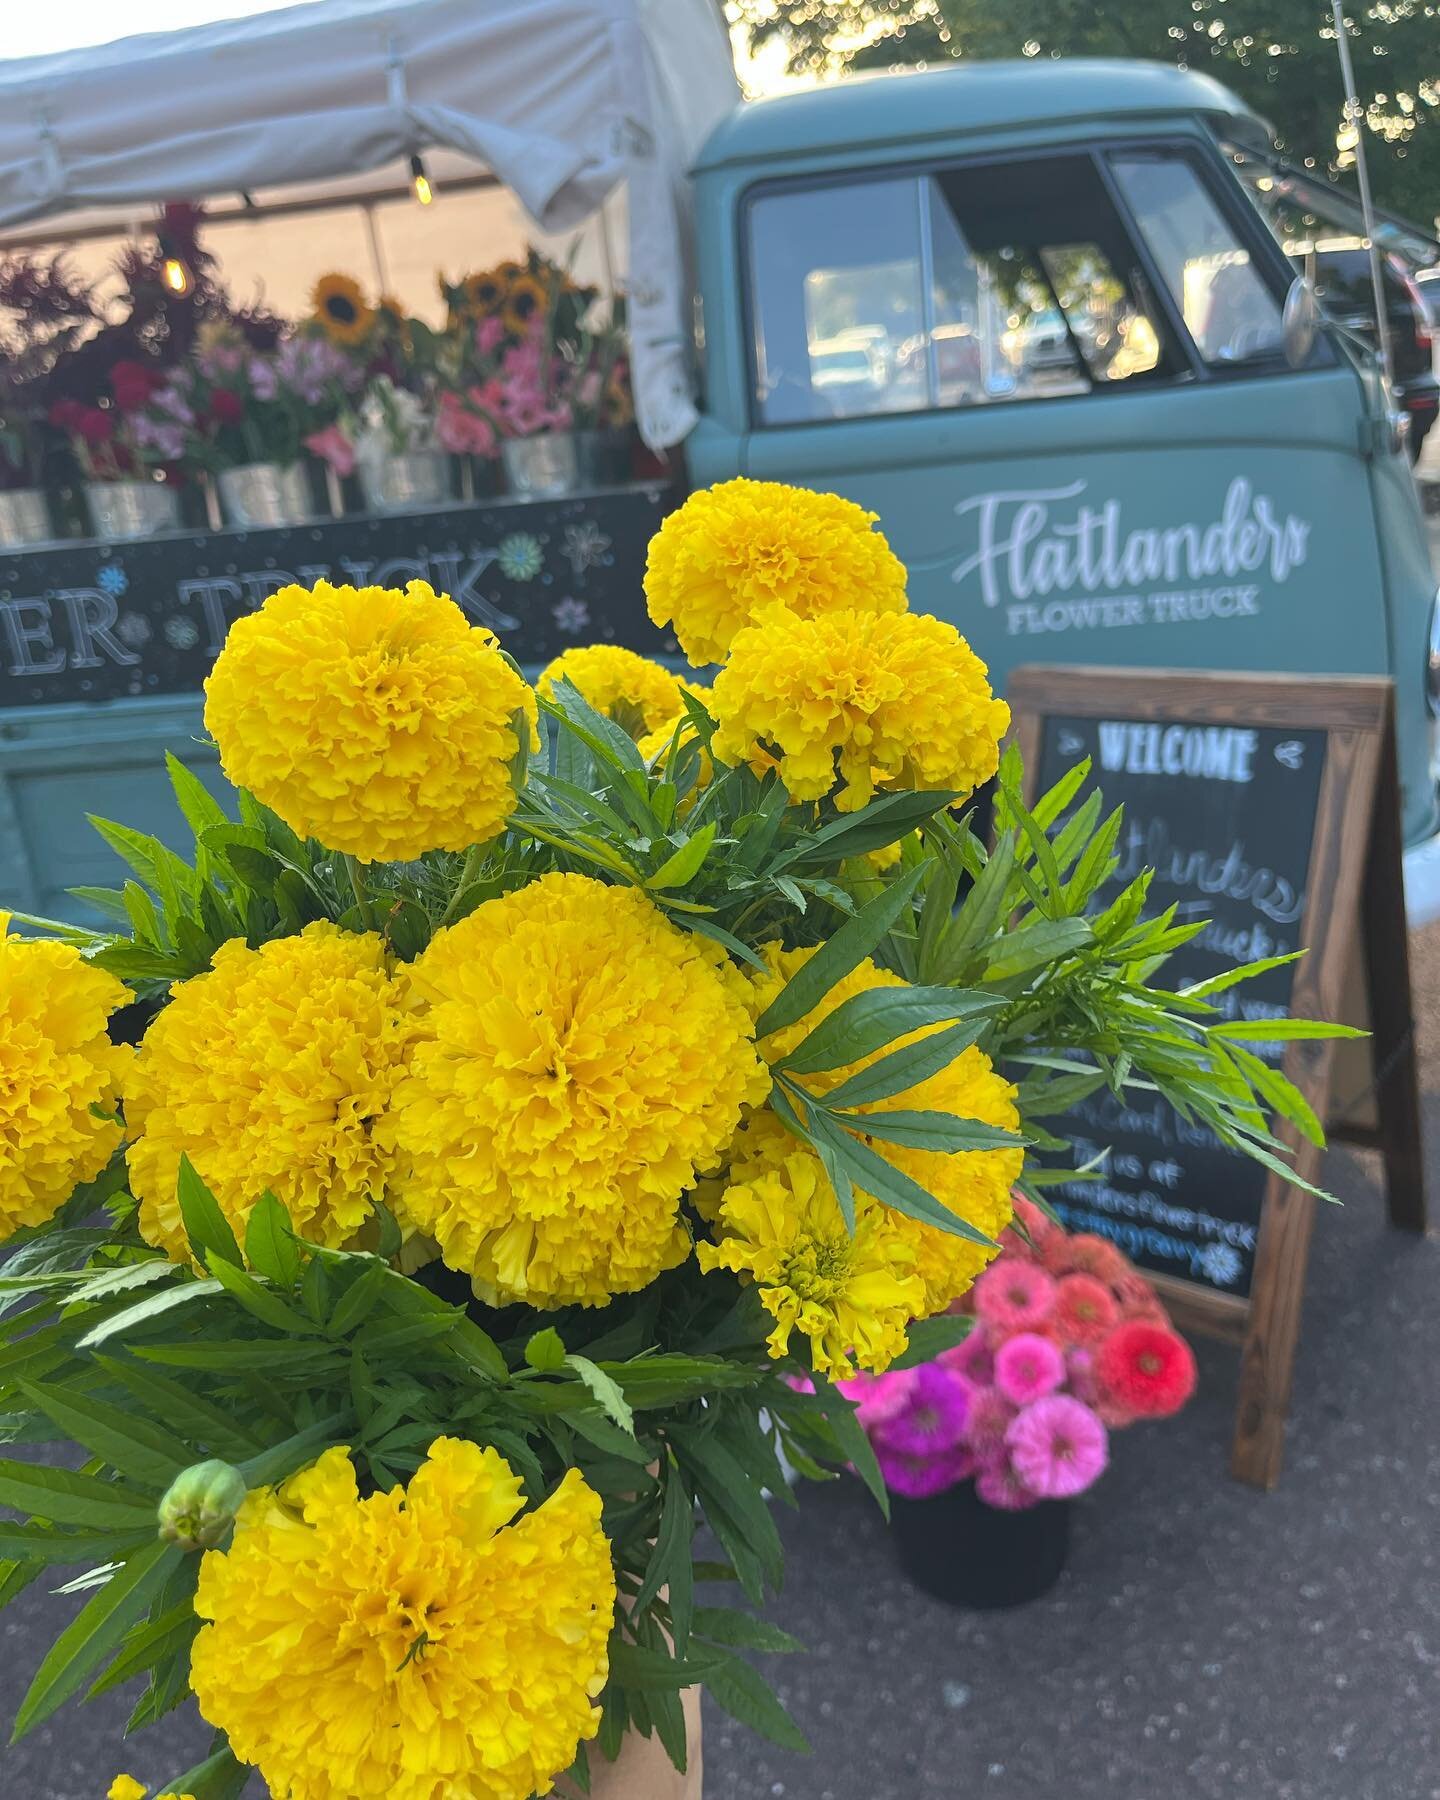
x: 1145, y: 843
x: 1028, y: 546
x: 1202, y: 752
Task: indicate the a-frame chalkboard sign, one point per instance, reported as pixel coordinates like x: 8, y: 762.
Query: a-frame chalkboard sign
x: 1268, y: 805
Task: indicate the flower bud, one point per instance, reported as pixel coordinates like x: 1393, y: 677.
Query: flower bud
x: 200, y: 1505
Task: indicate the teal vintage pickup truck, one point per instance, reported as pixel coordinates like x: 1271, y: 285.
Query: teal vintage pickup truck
x: 1033, y: 315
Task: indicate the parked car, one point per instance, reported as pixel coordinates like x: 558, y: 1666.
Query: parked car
x: 1343, y: 286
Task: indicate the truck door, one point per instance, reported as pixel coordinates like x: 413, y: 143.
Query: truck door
x: 1059, y: 380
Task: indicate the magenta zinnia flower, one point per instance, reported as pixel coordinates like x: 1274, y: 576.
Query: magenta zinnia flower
x: 1014, y: 1296
x: 1027, y: 1368
x: 990, y: 1417
x: 1058, y: 1447
x: 933, y: 1417
x: 971, y: 1357
x: 918, y: 1477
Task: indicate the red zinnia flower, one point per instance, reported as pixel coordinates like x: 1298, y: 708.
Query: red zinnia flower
x: 1146, y: 1369
x: 132, y: 385
x: 1085, y: 1310
x: 1137, y: 1299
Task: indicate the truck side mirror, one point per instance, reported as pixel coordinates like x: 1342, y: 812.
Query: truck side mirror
x: 1300, y: 321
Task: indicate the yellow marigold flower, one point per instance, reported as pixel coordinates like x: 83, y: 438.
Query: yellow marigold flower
x: 639, y: 695
x: 738, y: 549
x: 896, y: 699
x: 56, y: 1063
x: 275, y: 1069
x: 411, y: 1645
x: 580, y: 1057
x: 341, y: 309
x: 975, y: 1184
x: 381, y: 723
x: 853, y: 1297
x: 126, y: 1787
x: 655, y: 745
x: 733, y: 552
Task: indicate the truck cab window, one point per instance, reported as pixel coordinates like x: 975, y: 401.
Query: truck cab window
x: 1230, y: 311
x: 966, y: 287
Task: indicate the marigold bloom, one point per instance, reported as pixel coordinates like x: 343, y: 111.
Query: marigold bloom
x: 381, y: 723
x: 733, y: 552
x: 409, y: 1645
x: 580, y: 1058
x: 975, y: 1184
x: 126, y: 1787
x: 56, y: 1063
x: 275, y: 1069
x: 852, y: 1295
x: 639, y: 695
x: 856, y: 701
x: 1146, y: 1369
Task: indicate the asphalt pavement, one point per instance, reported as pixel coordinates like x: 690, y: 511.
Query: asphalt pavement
x: 1206, y: 1640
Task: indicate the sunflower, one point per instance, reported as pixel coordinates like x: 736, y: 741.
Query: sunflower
x: 485, y: 292
x: 524, y: 304
x: 341, y: 309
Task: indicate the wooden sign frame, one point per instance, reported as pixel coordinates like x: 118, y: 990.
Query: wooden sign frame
x: 1354, y: 894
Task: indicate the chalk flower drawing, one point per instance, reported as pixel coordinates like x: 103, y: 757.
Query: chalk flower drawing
x: 519, y: 556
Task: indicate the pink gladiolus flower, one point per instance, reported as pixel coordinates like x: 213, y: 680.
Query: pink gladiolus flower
x: 332, y: 446
x: 933, y: 1418
x: 1027, y: 1368
x: 1014, y: 1296
x: 488, y: 334
x: 999, y: 1486
x: 918, y: 1477
x: 1058, y: 1447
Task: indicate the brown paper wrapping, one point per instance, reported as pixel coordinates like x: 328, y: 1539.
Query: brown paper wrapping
x: 642, y: 1771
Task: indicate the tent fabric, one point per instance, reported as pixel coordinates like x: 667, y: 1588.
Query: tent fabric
x: 562, y: 100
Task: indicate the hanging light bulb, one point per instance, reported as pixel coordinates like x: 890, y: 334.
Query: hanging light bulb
x: 420, y: 181
x: 176, y: 276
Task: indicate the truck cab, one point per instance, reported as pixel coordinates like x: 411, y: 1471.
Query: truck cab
x: 1088, y: 424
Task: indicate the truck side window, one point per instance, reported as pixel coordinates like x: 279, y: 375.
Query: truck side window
x: 1229, y: 309
x: 963, y: 287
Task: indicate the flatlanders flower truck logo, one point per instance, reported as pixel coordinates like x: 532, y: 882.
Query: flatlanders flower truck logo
x: 1058, y: 562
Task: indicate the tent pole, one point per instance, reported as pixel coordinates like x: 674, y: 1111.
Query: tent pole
x: 377, y: 250
x: 1362, y: 168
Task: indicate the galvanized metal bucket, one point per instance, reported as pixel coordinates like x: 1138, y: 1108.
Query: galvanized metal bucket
x: 24, y: 518
x: 543, y: 465
x: 406, y: 483
x: 131, y: 509
x: 260, y: 495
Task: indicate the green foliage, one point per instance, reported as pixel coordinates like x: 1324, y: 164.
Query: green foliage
x: 262, y: 1353
x: 1278, y: 55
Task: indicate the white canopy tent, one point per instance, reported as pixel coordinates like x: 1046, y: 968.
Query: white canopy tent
x: 561, y: 100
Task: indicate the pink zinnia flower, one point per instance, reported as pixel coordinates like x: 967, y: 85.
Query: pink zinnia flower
x: 879, y: 1397
x: 1136, y: 1297
x: 989, y: 1419
x: 1086, y: 1253
x: 1027, y: 1368
x: 1085, y: 1310
x: 1014, y: 1296
x: 1080, y: 1375
x: 332, y: 446
x: 933, y: 1417
x: 918, y: 1477
x: 973, y: 1358
x: 1058, y: 1447
x: 999, y: 1486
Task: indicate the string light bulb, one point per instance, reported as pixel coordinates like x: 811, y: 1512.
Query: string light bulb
x: 420, y: 181
x: 176, y: 276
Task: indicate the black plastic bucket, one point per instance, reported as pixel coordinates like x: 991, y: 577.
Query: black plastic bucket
x: 959, y: 1550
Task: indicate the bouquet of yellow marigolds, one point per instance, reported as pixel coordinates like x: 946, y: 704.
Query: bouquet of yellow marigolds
x: 539, y: 1096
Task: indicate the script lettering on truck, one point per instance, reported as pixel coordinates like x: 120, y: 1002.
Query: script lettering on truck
x: 1057, y: 561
